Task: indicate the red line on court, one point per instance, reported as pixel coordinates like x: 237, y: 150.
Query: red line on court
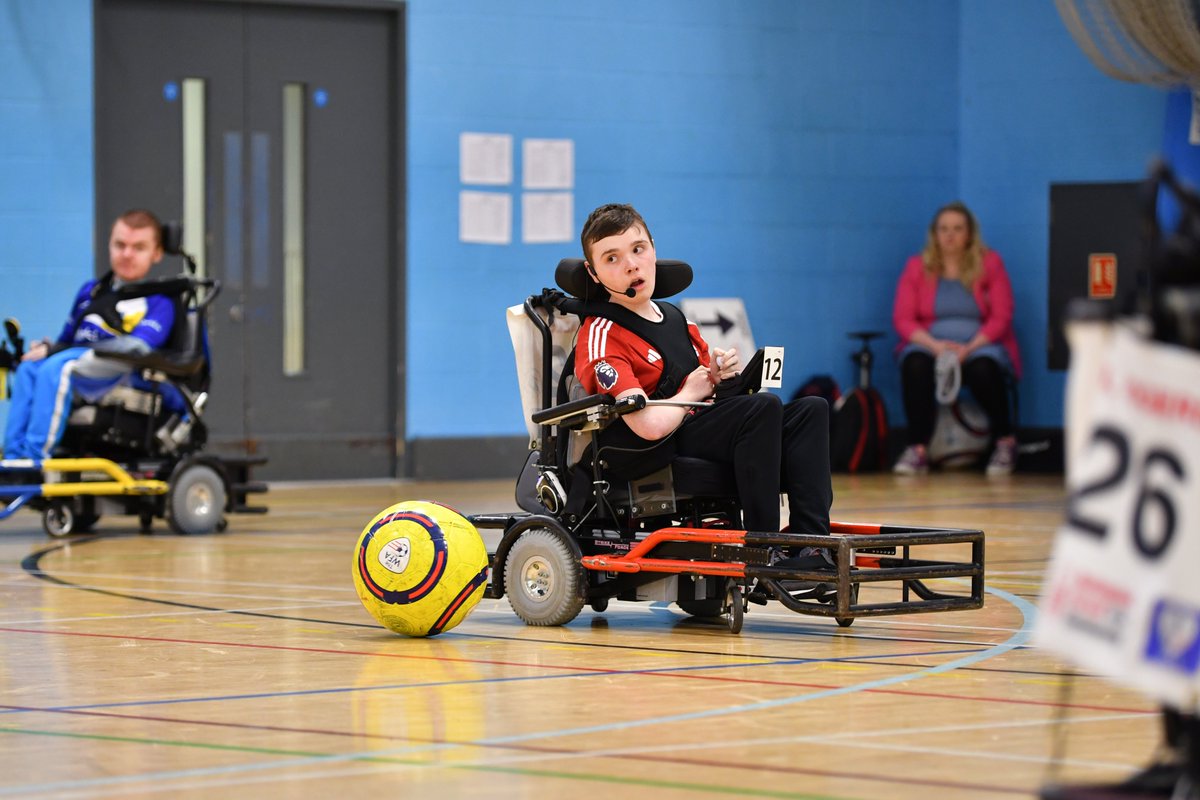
x: 626, y: 756
x: 579, y: 669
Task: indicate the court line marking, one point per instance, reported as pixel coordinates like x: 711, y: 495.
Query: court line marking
x: 30, y: 567
x: 488, y: 606
x: 392, y: 763
x: 638, y: 752
x: 1017, y: 640
x: 567, y: 672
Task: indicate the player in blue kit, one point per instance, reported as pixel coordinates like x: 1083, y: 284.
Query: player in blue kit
x: 101, y: 321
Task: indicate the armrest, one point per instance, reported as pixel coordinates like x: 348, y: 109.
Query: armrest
x: 176, y: 364
x: 548, y: 416
x: 592, y: 408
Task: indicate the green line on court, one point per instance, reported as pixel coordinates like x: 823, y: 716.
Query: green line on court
x: 742, y: 791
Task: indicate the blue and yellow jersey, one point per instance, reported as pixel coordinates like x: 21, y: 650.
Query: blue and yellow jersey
x: 147, y: 318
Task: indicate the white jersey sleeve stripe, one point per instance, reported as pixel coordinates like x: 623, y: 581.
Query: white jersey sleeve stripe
x: 598, y: 338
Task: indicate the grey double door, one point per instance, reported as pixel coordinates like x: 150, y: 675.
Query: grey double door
x: 272, y: 131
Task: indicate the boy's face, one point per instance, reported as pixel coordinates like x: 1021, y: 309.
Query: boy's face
x: 625, y: 261
x: 133, y: 251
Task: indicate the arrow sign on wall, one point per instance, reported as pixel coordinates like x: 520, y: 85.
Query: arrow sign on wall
x: 723, y: 323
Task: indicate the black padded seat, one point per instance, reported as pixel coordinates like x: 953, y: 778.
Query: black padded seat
x: 690, y: 477
x: 183, y: 355
x: 695, y: 476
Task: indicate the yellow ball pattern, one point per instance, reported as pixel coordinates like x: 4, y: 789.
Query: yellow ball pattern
x: 420, y: 568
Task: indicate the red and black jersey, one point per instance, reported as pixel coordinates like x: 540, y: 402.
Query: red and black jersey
x: 611, y: 359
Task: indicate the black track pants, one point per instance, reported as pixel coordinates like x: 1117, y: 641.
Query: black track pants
x: 983, y: 376
x: 772, y: 447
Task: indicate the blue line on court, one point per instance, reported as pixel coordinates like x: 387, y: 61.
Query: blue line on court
x: 1017, y: 640
x: 438, y: 684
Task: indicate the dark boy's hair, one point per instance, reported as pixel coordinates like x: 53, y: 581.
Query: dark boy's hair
x: 141, y: 218
x: 609, y: 220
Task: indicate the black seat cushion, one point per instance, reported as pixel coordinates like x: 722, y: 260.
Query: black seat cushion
x: 690, y: 478
x: 699, y: 478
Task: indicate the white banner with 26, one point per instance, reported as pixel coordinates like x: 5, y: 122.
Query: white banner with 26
x: 1122, y: 593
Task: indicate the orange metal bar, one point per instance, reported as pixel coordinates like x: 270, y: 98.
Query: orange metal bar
x: 626, y: 564
x: 684, y: 535
x: 636, y: 561
x: 865, y: 528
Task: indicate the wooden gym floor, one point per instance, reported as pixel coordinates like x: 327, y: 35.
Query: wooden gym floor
x: 243, y: 665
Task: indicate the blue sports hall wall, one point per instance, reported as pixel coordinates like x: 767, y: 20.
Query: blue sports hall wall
x: 791, y: 150
x: 45, y: 160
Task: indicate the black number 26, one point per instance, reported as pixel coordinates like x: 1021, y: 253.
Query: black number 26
x: 1151, y: 543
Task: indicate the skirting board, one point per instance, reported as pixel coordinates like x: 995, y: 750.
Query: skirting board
x: 466, y: 458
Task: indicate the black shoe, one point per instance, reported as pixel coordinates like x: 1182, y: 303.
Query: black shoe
x: 1165, y: 779
x: 809, y: 590
x: 807, y: 559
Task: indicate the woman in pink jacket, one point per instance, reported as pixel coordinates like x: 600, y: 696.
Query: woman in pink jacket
x: 955, y: 297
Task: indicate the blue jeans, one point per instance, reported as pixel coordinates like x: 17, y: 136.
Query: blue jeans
x: 41, y: 402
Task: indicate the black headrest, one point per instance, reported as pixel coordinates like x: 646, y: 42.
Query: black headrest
x: 671, y: 278
x: 172, y: 238
x: 177, y: 287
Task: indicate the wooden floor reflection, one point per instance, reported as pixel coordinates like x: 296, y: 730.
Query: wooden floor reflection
x: 243, y: 665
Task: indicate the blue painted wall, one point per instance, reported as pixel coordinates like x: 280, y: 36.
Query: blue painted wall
x: 1035, y: 111
x: 46, y: 196
x: 771, y: 144
x: 793, y: 151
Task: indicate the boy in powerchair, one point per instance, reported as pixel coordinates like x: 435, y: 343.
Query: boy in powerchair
x: 100, y: 321
x: 635, y: 345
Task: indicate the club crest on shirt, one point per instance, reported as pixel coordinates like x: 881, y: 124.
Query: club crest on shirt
x: 652, y: 355
x: 606, y: 375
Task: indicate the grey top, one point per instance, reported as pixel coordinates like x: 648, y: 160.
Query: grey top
x: 956, y: 319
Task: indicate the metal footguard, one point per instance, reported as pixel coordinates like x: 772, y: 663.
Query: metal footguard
x: 863, y: 553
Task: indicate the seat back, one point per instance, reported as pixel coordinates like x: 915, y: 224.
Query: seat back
x: 528, y: 348
x: 185, y: 355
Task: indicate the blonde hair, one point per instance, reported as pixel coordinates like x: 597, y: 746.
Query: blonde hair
x: 971, y: 265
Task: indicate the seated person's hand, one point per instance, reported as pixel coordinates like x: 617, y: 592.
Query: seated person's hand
x: 723, y: 364
x: 697, y: 386
x: 939, y: 346
x: 37, y: 351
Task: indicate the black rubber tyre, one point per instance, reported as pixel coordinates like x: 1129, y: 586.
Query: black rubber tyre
x: 730, y: 606
x: 145, y: 521
x: 599, y: 605
x: 543, y: 580
x: 196, y: 500
x: 708, y: 609
x: 735, y: 609
x: 58, y: 520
